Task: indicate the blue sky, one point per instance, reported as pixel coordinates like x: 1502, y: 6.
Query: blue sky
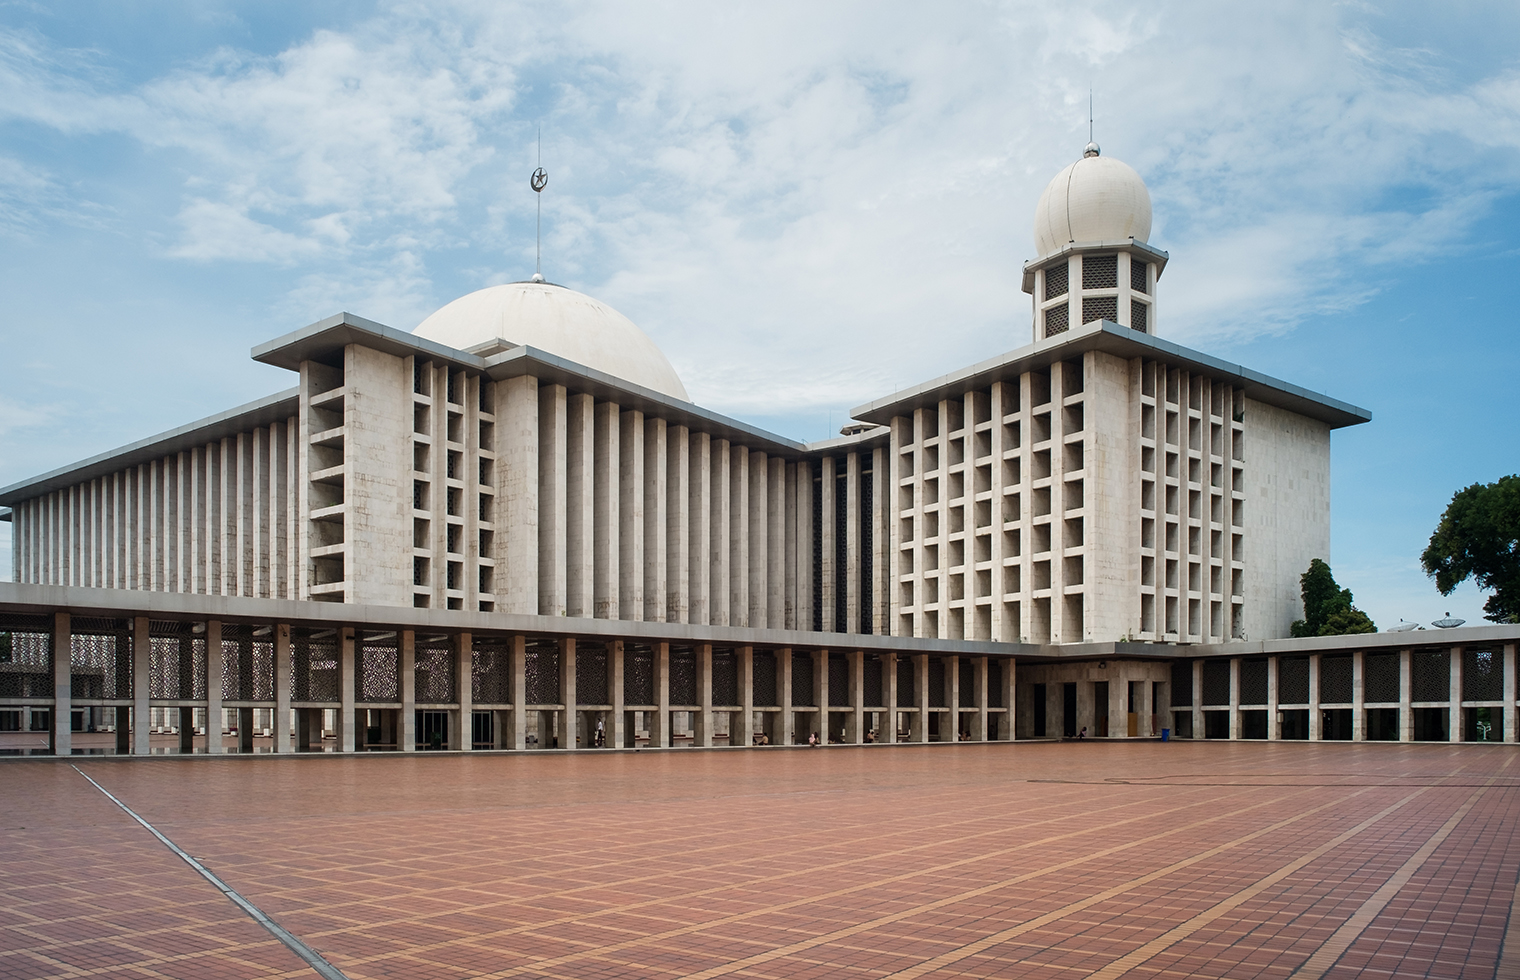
x: 805, y: 205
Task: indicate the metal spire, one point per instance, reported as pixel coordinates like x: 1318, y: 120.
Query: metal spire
x: 538, y: 182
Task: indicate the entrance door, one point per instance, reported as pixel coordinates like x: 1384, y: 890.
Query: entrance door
x: 1134, y: 709
x: 432, y: 729
x: 482, y: 729
x: 1069, y: 709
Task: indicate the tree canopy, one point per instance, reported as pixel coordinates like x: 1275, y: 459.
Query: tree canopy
x: 1479, y: 538
x: 1327, y: 607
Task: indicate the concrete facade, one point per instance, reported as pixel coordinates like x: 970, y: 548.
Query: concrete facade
x: 1100, y: 485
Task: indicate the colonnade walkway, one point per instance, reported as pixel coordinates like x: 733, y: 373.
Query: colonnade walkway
x: 1045, y: 860
x: 98, y: 671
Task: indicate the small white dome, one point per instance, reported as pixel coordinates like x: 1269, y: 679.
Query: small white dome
x: 559, y: 321
x: 1096, y: 199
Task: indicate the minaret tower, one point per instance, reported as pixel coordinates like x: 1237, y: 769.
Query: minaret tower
x: 1090, y: 229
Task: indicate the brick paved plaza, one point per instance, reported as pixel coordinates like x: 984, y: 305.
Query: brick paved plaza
x: 1025, y: 860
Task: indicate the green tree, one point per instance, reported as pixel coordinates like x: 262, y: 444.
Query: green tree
x: 1479, y: 538
x: 1327, y: 607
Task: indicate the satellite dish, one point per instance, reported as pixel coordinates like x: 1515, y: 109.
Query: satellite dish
x: 1447, y: 622
x: 1402, y: 627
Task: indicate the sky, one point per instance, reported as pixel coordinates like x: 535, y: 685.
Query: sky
x: 806, y: 205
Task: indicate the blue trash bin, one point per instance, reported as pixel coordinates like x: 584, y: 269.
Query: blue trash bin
x: 1166, y: 734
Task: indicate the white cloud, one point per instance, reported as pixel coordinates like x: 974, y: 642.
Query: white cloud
x: 214, y: 230
x: 838, y: 195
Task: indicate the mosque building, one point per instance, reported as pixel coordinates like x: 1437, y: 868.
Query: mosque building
x: 512, y: 526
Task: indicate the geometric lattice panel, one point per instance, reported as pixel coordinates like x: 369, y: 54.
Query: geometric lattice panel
x: 433, y: 670
x: 541, y: 683
x: 906, y: 695
x: 1253, y: 682
x: 873, y: 693
x: 765, y: 679
x: 725, y: 677
x: 802, y: 680
x: 638, y: 675
x: 314, y: 665
x: 1216, y: 682
x: 1432, y: 675
x: 1335, y: 680
x: 1293, y: 680
x: 683, y: 676
x: 1382, y: 681
x: 839, y: 680
x: 1182, y: 683
x: 1482, y: 675
x: 491, y: 671
x: 937, y: 682
x: 591, y: 673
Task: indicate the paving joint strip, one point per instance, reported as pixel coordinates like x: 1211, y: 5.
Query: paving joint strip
x: 311, y: 957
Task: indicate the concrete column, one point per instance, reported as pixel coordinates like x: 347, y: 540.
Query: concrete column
x: 828, y: 582
x: 1274, y: 727
x: 745, y: 736
x: 347, y: 675
x: 920, y: 729
x: 1197, y: 698
x: 464, y: 663
x: 656, y: 500
x: 213, y: 687
x: 570, y: 719
x: 787, y: 734
x: 608, y: 512
x: 1510, y: 696
x: 142, y: 680
x: 718, y: 525
x: 952, y: 697
x: 849, y: 580
x: 553, y: 448
x: 519, y: 692
x: 979, y: 675
x: 758, y: 512
x: 620, y: 734
x: 1454, y: 727
x: 517, y: 496
x: 700, y: 508
x: 1010, y: 689
x: 775, y: 547
x: 1118, y: 706
x: 889, y: 695
x: 406, y: 732
x: 1316, y: 717
x: 631, y: 546
x: 1235, y: 697
x: 659, y: 725
x: 282, y: 733
x: 677, y: 525
x: 856, y: 734
x: 63, y: 700
x: 703, y: 736
x: 580, y: 512
x: 1359, y: 696
x: 821, y: 692
x: 738, y: 536
x: 1406, y: 695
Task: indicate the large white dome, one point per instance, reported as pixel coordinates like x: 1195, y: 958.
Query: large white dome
x: 557, y: 320
x: 1096, y: 199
